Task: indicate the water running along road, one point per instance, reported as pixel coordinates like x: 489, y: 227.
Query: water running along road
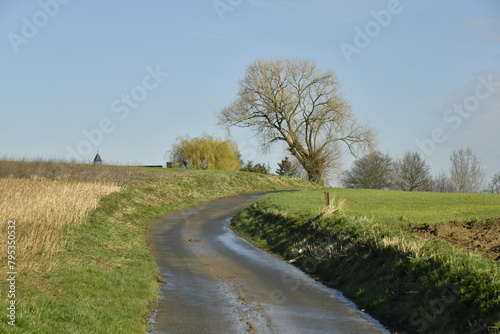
x: 217, y: 282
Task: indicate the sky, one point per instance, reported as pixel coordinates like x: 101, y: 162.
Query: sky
x: 126, y: 78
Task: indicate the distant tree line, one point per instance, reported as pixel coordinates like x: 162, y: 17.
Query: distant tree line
x: 249, y: 166
x: 411, y: 173
x: 375, y: 170
x: 494, y: 186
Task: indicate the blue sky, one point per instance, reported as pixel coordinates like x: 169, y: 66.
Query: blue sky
x: 126, y: 78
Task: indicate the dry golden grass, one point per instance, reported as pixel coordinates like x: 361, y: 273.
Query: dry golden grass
x: 43, y: 211
x: 335, y: 206
x: 405, y: 245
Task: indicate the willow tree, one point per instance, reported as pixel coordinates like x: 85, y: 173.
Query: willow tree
x: 294, y: 102
x: 205, y: 152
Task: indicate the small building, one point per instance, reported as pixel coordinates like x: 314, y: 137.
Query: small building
x: 97, y: 159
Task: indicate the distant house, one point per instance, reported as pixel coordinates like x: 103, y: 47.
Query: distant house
x: 97, y: 159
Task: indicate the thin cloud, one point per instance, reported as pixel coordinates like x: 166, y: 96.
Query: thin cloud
x: 480, y: 29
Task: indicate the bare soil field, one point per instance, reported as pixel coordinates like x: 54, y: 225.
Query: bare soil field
x: 482, y: 237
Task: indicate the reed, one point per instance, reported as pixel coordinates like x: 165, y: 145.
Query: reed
x: 44, y: 210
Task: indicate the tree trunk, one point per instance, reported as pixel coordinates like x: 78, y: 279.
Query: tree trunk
x: 315, y: 170
x: 315, y: 177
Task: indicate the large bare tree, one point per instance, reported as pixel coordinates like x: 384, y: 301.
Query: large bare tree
x: 292, y: 101
x: 467, y: 174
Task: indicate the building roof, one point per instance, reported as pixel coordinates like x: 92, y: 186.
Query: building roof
x: 97, y: 158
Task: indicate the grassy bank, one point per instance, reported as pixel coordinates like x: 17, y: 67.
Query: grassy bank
x: 411, y: 284
x: 102, y: 277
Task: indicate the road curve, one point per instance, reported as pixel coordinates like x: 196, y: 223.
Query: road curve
x: 217, y: 282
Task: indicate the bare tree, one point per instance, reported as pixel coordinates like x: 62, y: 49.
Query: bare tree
x: 442, y: 183
x: 373, y: 171
x: 494, y: 186
x: 467, y: 175
x: 412, y: 173
x: 292, y: 101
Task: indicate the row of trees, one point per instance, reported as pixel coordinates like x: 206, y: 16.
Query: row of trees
x: 411, y: 173
x: 252, y: 167
x: 373, y: 171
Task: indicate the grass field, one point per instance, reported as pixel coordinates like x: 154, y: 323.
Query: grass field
x: 412, y: 284
x: 397, y: 207
x: 83, y: 261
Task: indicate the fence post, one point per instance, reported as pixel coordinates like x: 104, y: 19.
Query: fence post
x: 327, y: 198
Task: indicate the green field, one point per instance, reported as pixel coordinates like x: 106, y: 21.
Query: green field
x: 411, y: 284
x: 395, y: 206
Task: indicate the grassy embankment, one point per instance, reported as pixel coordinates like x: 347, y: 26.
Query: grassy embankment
x: 82, y: 258
x: 412, y: 284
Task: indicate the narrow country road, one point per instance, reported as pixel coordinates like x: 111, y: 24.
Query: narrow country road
x: 217, y: 282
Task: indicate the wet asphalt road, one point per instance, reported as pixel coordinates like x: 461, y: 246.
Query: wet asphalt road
x: 219, y: 283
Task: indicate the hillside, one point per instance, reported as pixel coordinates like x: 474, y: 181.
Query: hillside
x: 98, y: 275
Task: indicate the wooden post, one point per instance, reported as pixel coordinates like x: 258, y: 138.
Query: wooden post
x: 327, y: 198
